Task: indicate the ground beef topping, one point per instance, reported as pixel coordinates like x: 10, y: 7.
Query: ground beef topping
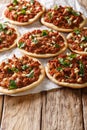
x: 78, y: 40
x: 23, y: 10
x: 42, y: 42
x: 63, y: 17
x: 8, y: 36
x: 71, y: 68
x: 17, y: 73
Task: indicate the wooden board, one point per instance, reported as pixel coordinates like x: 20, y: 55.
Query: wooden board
x: 1, y: 107
x: 57, y: 110
x: 84, y: 108
x: 22, y: 113
x: 62, y: 110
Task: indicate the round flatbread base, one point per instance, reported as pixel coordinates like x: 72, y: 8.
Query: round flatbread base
x: 24, y: 23
x: 65, y: 84
x: 28, y: 87
x: 45, y: 55
x: 15, y: 42
x: 52, y: 26
x: 76, y: 51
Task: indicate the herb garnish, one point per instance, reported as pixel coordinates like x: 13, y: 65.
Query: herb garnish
x: 77, y: 31
x: 24, y: 67
x: 31, y: 74
x: 69, y: 9
x: 32, y: 1
x: 57, y: 45
x: 15, y: 2
x: 12, y: 84
x: 13, y: 69
x: 3, y: 27
x: 21, y: 44
x: 64, y: 62
x: 56, y: 7
x: 81, y: 67
x: 59, y: 68
x: 44, y: 33
x: 50, y: 15
x: 23, y: 11
x: 84, y: 38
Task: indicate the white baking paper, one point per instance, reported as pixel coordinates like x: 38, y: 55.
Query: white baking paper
x: 46, y: 84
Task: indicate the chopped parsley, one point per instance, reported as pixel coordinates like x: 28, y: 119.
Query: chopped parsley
x: 15, y: 2
x: 56, y: 7
x: 50, y: 15
x: 21, y: 44
x: 64, y: 62
x: 81, y: 67
x: 3, y: 27
x: 84, y: 38
x: 10, y: 8
x: 12, y: 84
x: 56, y: 45
x: 24, y: 67
x: 72, y: 56
x: 32, y: 1
x: 31, y: 74
x: 35, y: 40
x: 59, y: 68
x: 9, y: 71
x: 23, y: 11
x: 69, y: 9
x: 67, y: 18
x: 44, y: 33
x: 13, y: 69
x: 77, y: 31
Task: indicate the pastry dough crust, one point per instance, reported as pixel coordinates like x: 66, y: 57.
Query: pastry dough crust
x: 76, y: 51
x: 15, y: 42
x: 52, y: 26
x: 45, y: 55
x: 28, y: 87
x: 65, y: 84
x: 25, y: 23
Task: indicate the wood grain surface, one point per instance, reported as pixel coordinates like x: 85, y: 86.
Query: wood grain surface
x: 1, y: 106
x: 57, y: 110
x: 62, y: 109
x: 84, y: 107
x: 22, y: 113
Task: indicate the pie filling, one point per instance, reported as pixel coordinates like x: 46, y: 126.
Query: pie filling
x: 70, y: 67
x: 42, y: 42
x: 7, y: 36
x: 63, y: 17
x: 78, y: 40
x: 23, y: 11
x: 19, y: 72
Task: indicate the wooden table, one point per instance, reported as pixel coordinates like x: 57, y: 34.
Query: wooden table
x: 62, y: 109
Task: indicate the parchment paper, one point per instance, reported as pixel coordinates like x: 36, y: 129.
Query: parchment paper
x: 46, y: 84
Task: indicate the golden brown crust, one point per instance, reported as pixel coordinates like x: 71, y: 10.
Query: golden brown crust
x: 28, y: 87
x: 15, y: 42
x: 25, y: 23
x: 46, y: 55
x: 50, y: 25
x: 65, y: 84
x: 76, y: 51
